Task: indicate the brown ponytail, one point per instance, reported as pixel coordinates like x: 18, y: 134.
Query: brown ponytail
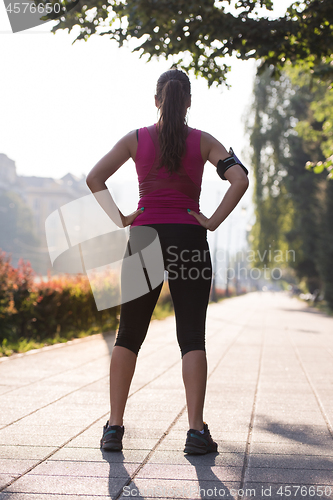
x: 173, y: 92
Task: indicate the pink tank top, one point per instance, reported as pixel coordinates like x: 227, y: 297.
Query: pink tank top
x: 166, y: 197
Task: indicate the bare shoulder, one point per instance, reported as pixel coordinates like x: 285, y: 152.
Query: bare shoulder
x: 130, y: 137
x: 211, y: 148
x: 130, y: 141
x: 127, y: 139
x: 207, y: 138
x: 206, y: 135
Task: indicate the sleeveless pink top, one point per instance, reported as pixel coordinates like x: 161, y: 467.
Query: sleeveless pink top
x: 166, y: 197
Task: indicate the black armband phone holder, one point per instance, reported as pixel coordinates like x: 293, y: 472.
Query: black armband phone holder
x: 223, y: 165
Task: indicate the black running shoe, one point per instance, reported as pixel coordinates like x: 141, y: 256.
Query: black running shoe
x: 200, y: 444
x: 112, y: 437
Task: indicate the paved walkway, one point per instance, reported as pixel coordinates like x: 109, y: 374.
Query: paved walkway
x: 269, y: 405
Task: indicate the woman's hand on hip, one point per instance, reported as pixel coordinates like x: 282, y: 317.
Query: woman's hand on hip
x: 127, y: 220
x: 204, y: 221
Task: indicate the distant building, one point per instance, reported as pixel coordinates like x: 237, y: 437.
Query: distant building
x: 8, y: 176
x: 42, y: 195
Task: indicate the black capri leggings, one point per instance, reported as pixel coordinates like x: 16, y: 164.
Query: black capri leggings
x: 187, y: 259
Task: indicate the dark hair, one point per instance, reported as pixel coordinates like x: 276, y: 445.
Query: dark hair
x: 173, y: 91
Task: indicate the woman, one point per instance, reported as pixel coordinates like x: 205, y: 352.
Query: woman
x: 169, y: 158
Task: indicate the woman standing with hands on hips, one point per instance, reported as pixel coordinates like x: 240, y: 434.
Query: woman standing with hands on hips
x: 169, y: 158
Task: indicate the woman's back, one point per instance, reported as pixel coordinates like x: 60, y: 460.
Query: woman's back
x: 165, y: 195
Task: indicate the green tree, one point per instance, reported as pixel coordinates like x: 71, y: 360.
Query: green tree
x: 270, y: 201
x: 326, y: 246
x: 316, y: 128
x: 206, y: 32
x: 286, y: 196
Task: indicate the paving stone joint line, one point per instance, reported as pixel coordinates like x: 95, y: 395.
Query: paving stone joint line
x: 251, y: 424
x: 320, y: 404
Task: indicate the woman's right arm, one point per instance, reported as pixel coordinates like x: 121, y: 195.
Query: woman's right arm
x: 107, y: 166
x: 213, y: 151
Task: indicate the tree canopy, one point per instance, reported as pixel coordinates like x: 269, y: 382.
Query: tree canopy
x: 316, y: 127
x: 203, y: 33
x: 293, y: 207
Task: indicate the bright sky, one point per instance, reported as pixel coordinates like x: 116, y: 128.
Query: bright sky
x: 64, y: 106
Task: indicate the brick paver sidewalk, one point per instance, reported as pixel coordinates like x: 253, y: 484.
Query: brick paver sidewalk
x: 269, y: 405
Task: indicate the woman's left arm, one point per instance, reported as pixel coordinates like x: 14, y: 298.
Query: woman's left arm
x: 107, y: 166
x: 214, y: 151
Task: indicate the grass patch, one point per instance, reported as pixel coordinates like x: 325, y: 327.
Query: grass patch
x: 7, y: 348
x: 323, y: 307
x: 320, y: 306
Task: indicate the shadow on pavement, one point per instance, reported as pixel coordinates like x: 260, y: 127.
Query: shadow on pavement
x: 210, y: 486
x: 306, y: 434
x: 306, y: 309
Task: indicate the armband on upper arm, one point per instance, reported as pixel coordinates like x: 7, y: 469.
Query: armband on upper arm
x: 223, y: 165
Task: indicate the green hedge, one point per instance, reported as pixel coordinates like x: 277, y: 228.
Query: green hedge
x: 34, y: 313
x: 42, y: 310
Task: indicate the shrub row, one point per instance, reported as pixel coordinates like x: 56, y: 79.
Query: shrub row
x: 58, y: 308
x: 40, y: 310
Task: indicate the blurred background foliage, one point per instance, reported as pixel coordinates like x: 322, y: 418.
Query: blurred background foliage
x: 290, y: 131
